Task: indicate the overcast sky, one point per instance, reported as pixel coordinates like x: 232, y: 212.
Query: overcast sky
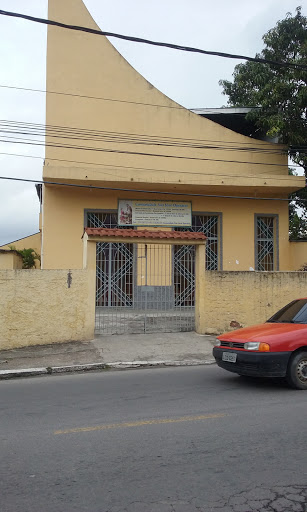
x: 228, y: 26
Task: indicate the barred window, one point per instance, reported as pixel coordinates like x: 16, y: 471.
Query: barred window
x: 266, y: 227
x: 210, y: 226
x: 101, y: 220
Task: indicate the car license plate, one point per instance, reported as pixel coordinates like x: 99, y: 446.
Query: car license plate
x: 230, y: 357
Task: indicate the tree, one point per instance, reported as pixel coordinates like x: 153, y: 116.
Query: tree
x: 279, y: 93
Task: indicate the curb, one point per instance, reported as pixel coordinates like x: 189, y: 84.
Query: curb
x: 32, y: 372
x: 149, y: 364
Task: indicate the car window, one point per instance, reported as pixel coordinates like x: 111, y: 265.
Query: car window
x: 295, y: 312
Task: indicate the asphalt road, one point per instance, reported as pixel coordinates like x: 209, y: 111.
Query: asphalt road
x: 159, y: 440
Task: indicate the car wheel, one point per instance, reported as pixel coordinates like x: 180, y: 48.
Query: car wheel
x: 297, y: 371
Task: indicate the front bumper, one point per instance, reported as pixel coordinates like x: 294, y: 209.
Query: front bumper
x: 254, y: 364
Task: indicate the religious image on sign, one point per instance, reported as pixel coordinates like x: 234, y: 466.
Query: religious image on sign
x: 125, y: 215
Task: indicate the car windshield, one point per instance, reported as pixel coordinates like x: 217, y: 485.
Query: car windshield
x: 293, y: 313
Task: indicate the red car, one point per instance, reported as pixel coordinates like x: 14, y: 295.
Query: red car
x: 277, y: 348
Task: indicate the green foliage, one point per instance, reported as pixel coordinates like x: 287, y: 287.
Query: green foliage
x: 28, y: 256
x: 298, y: 223
x: 298, y: 227
x: 279, y: 93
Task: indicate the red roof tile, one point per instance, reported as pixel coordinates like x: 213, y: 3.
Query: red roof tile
x: 145, y: 233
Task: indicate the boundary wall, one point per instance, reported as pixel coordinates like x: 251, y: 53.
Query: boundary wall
x: 239, y: 299
x: 39, y: 307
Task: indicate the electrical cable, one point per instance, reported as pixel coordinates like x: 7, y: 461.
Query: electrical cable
x: 190, y: 194
x: 144, y: 168
x: 61, y: 93
x: 92, y: 97
x: 136, y: 153
x: 147, y: 41
x: 116, y: 140
x: 46, y: 128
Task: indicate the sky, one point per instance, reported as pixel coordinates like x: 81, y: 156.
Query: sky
x: 190, y: 79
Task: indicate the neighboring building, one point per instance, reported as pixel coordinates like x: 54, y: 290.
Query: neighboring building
x: 28, y: 242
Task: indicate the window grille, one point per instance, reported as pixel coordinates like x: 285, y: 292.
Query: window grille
x: 266, y: 258
x: 210, y: 226
x: 114, y: 265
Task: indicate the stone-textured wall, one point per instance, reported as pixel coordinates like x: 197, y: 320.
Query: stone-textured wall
x: 235, y: 299
x: 46, y: 306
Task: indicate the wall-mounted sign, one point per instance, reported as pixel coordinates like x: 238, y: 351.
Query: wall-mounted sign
x: 154, y: 213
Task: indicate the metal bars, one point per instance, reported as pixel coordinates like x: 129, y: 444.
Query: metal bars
x: 114, y: 275
x: 265, y: 243
x: 142, y: 288
x: 210, y: 226
x: 184, y: 258
x: 137, y: 288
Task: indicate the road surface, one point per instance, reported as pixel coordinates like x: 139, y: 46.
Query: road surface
x: 160, y: 440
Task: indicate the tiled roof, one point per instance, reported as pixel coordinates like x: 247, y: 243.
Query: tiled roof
x: 145, y: 233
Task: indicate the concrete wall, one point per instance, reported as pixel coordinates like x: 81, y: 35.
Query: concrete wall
x: 10, y: 259
x: 235, y: 299
x: 46, y: 306
x: 298, y: 254
x: 52, y: 306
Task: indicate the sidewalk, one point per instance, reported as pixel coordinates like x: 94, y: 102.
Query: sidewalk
x: 116, y: 351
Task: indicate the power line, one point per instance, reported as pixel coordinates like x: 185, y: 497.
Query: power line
x: 145, y: 168
x: 46, y: 128
x: 147, y: 41
x: 92, y: 97
x: 189, y: 194
x: 119, y: 139
x: 136, y: 153
x: 45, y: 91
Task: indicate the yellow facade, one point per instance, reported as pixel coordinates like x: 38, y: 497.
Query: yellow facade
x: 63, y: 245
x: 111, y: 121
x: 298, y: 255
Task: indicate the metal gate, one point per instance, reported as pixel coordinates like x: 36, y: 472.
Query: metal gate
x: 148, y: 288
x: 140, y: 289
